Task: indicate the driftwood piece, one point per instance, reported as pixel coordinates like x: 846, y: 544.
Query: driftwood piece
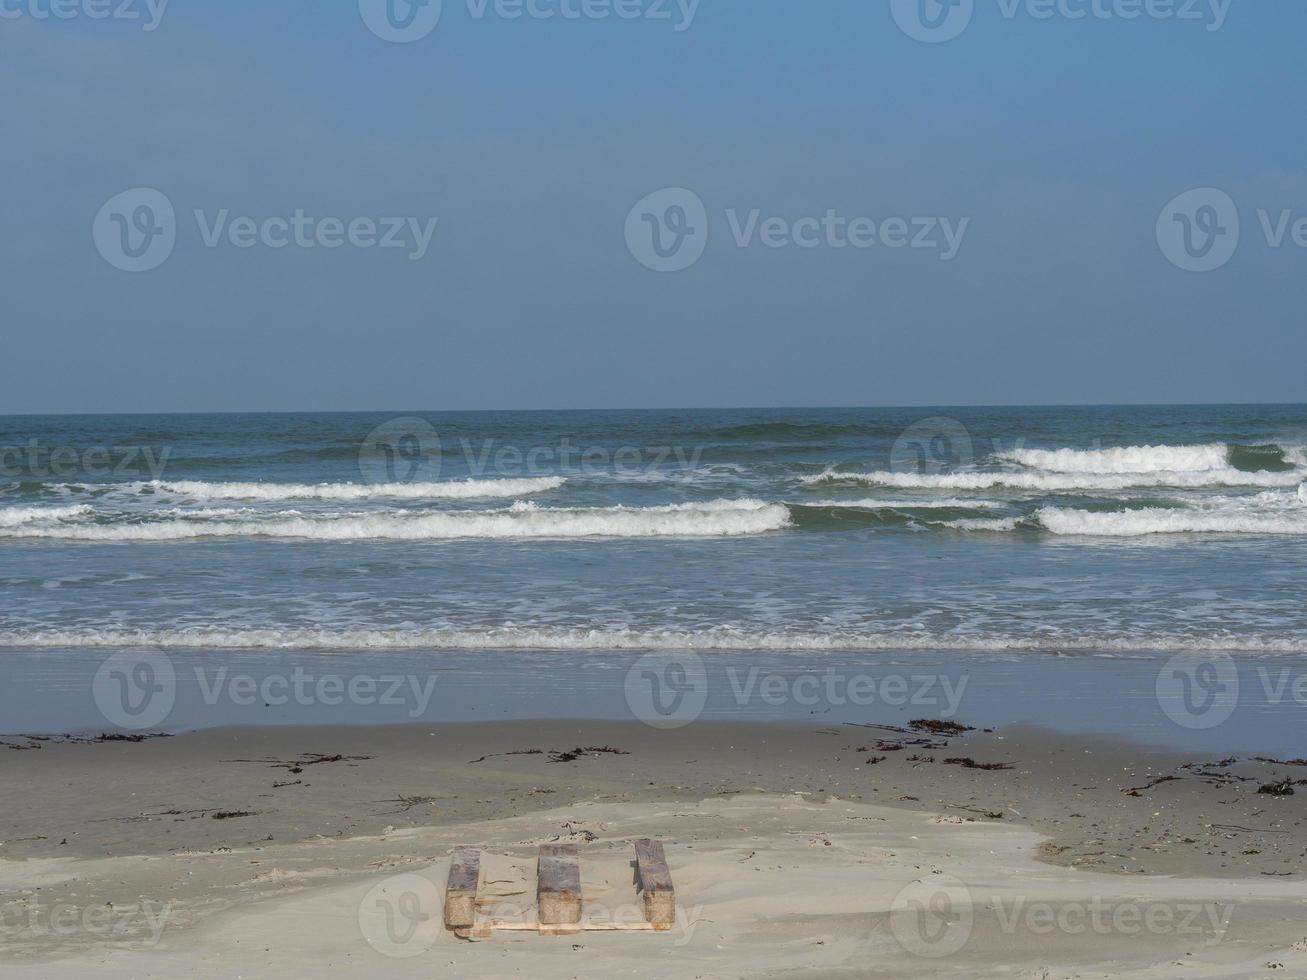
x: 461, y: 888
x: 558, y: 885
x: 655, y: 882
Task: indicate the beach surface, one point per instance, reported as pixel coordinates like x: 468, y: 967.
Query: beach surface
x: 796, y: 850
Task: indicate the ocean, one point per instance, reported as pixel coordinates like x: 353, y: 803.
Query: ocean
x: 1093, y: 529
x: 802, y: 537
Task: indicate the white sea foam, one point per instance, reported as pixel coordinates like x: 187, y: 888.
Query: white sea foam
x: 1227, y: 477
x: 1126, y: 459
x: 522, y: 520
x: 985, y: 524
x: 933, y: 503
x: 18, y: 516
x: 1155, y: 520
x: 724, y: 639
x: 448, y: 490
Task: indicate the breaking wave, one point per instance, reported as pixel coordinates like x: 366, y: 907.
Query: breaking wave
x: 934, y: 503
x: 720, y: 518
x: 1054, y: 482
x: 1127, y: 459
x: 721, y: 639
x: 1154, y: 520
x: 17, y: 516
x: 449, y: 490
x: 1121, y: 468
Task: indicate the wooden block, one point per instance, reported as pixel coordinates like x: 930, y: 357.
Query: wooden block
x: 558, y: 885
x: 655, y: 881
x: 461, y: 889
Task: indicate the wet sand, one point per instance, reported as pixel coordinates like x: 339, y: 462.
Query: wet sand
x: 169, y: 856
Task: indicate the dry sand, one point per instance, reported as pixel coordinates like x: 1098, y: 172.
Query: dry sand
x: 313, y: 851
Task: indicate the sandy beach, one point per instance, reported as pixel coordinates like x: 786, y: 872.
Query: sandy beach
x: 796, y: 851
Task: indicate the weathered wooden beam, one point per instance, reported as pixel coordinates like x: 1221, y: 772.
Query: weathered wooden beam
x: 461, y: 888
x: 558, y: 885
x: 655, y: 882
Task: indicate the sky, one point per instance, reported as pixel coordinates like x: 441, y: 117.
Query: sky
x: 275, y: 205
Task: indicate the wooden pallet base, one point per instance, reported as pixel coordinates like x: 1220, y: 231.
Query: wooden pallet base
x: 486, y: 927
x: 559, y: 901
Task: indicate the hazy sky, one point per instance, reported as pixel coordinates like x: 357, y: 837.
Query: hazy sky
x: 1048, y: 146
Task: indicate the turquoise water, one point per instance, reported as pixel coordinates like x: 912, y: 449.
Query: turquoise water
x: 1009, y: 530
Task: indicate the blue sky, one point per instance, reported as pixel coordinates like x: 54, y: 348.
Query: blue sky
x: 1054, y: 142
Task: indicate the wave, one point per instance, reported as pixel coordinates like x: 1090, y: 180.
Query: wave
x: 716, y: 639
x: 1156, y: 459
x: 935, y: 503
x: 995, y: 524
x: 17, y: 516
x: 720, y: 518
x: 449, y: 490
x: 1268, y: 457
x: 1127, y: 459
x: 1134, y: 523
x: 1227, y: 477
x: 834, y: 515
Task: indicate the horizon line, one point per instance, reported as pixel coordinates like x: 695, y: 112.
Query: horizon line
x: 688, y: 408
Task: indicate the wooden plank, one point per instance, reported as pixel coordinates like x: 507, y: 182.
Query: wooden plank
x: 486, y: 927
x: 558, y: 885
x: 655, y: 882
x: 461, y: 888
